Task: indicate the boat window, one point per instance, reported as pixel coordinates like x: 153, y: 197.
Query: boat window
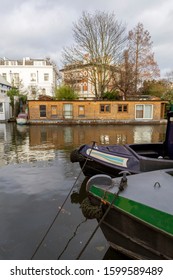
x: 144, y: 111
x: 68, y: 111
x: 105, y: 108
x: 81, y: 111
x: 42, y: 110
x: 54, y: 113
x: 122, y: 108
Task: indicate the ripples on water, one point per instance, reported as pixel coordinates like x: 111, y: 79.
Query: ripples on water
x: 36, y: 176
x: 20, y: 144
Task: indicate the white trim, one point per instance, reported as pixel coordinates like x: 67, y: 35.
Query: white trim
x: 144, y: 118
x: 2, y: 112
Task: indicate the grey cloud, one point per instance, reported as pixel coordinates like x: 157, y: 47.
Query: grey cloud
x: 43, y: 27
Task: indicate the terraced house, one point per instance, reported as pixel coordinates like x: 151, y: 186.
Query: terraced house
x: 33, y: 77
x: 5, y: 108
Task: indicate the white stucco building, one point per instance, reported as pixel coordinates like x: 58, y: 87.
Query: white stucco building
x: 32, y: 77
x: 5, y: 108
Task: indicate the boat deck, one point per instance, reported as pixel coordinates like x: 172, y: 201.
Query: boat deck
x: 154, y: 189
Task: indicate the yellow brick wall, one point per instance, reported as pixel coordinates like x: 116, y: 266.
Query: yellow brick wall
x: 92, y: 109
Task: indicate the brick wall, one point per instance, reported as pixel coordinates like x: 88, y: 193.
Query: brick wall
x: 96, y: 110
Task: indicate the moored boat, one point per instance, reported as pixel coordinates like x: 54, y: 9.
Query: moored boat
x: 137, y: 212
x: 22, y: 118
x: 135, y: 158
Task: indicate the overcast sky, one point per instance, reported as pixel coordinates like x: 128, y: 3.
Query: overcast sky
x: 41, y: 28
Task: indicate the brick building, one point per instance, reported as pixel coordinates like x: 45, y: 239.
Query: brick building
x: 85, y: 111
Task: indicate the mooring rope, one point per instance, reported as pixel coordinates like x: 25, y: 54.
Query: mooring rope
x: 61, y: 207
x: 121, y: 188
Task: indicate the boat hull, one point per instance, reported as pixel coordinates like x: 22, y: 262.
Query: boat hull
x: 135, y: 238
x: 137, y: 212
x: 21, y: 121
x: 112, y: 160
x: 134, y: 158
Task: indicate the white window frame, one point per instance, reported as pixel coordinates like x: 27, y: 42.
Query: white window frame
x: 144, y: 118
x: 46, y: 77
x: 39, y: 63
x: 2, y: 108
x: 33, y: 77
x: 4, y: 75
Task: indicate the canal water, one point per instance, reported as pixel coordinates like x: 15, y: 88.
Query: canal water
x: 41, y: 190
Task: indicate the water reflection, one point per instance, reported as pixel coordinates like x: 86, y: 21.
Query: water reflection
x: 145, y: 134
x: 79, y: 194
x: 36, y: 180
x: 77, y: 197
x: 110, y: 255
x: 47, y: 142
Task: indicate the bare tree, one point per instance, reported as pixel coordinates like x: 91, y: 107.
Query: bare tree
x: 123, y: 78
x: 140, y: 56
x: 100, y: 39
x: 169, y: 76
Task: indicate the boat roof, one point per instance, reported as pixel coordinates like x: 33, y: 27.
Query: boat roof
x: 154, y: 188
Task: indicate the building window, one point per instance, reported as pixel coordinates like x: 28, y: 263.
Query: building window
x: 144, y: 111
x: 4, y: 75
x: 53, y: 111
x: 16, y: 79
x: 122, y: 108
x: 13, y: 62
x: 46, y: 77
x: 42, y: 111
x: 33, y: 77
x: 81, y: 111
x: 68, y: 111
x: 39, y: 63
x: 43, y: 91
x: 85, y: 87
x: 105, y: 108
x: 1, y: 107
